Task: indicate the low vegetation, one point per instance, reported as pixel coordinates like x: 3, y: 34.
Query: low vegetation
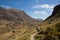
x: 50, y: 28
x: 14, y: 26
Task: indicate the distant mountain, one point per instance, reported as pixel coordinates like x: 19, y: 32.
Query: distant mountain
x: 38, y: 19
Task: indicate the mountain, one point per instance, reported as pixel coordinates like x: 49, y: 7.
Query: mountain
x: 55, y: 13
x: 16, y: 24
x: 17, y: 16
x: 49, y: 29
x: 38, y: 19
x: 55, y: 16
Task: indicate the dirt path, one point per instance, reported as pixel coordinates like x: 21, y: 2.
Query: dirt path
x: 32, y: 36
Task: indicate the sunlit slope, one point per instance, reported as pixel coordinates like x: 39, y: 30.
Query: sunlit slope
x: 16, y: 25
x: 50, y: 28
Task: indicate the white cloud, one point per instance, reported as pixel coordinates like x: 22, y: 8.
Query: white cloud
x: 5, y: 6
x: 40, y: 12
x: 45, y: 10
x: 44, y: 6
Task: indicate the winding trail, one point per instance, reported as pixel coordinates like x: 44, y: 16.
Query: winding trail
x: 32, y: 36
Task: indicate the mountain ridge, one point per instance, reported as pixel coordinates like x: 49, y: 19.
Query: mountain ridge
x: 16, y: 15
x: 50, y: 28
x: 55, y: 13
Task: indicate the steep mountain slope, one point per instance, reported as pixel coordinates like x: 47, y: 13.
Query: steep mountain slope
x: 15, y: 24
x: 11, y: 18
x: 55, y: 15
x: 56, y: 12
x: 14, y: 15
x: 50, y: 28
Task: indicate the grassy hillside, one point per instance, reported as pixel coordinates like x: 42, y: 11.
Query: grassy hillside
x: 50, y: 28
x: 10, y: 32
x: 16, y: 25
x: 13, y: 32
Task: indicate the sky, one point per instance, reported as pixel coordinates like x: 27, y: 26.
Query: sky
x: 35, y: 8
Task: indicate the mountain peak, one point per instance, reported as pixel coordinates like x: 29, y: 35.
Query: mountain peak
x: 56, y: 9
x: 55, y: 13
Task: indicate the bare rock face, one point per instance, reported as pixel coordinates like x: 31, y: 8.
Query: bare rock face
x: 56, y: 10
x: 55, y: 13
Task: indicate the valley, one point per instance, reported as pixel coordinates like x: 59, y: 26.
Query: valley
x: 17, y: 25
